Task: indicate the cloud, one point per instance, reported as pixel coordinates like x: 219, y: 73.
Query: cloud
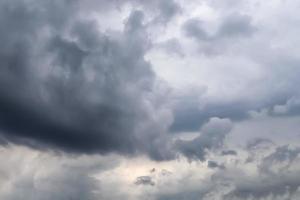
x: 50, y: 176
x: 232, y: 26
x: 214, y: 165
x: 144, y: 180
x: 167, y: 9
x: 79, y: 86
x: 291, y: 107
x: 212, y: 136
x: 66, y: 85
x: 240, y: 180
x: 171, y: 46
x: 229, y: 153
x: 275, y: 187
x: 279, y: 160
x: 191, y: 115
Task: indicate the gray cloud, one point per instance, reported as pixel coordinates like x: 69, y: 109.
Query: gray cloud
x: 291, y: 107
x: 191, y: 115
x: 211, y: 137
x: 144, y: 180
x: 258, y: 142
x: 233, y: 28
x: 67, y: 86
x: 193, y: 28
x: 235, y: 182
x: 50, y: 176
x: 277, y: 186
x: 234, y: 25
x: 171, y: 46
x: 283, y: 157
x: 167, y: 10
x: 214, y: 165
x: 229, y: 153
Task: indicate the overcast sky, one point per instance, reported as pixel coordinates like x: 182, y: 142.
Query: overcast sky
x: 149, y: 100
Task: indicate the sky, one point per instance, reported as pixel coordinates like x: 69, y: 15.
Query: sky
x: 149, y: 100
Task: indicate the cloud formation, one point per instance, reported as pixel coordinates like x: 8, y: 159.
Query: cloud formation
x: 212, y: 136
x: 156, y: 100
x: 67, y: 85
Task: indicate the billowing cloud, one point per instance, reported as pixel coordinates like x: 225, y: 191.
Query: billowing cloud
x: 67, y: 85
x: 156, y: 100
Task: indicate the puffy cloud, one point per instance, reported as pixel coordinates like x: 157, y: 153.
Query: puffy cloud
x: 81, y: 81
x: 65, y: 85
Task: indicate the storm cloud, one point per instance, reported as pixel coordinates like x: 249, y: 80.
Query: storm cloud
x: 154, y: 100
x: 67, y: 85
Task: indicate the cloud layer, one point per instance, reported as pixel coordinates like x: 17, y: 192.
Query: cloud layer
x: 154, y: 100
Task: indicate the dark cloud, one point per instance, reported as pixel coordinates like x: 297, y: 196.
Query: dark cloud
x: 214, y: 165
x: 211, y: 137
x: 290, y: 108
x: 191, y: 111
x: 65, y: 85
x: 190, y: 115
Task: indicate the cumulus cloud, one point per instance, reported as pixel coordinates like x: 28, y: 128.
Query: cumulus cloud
x: 94, y: 93
x: 66, y: 85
